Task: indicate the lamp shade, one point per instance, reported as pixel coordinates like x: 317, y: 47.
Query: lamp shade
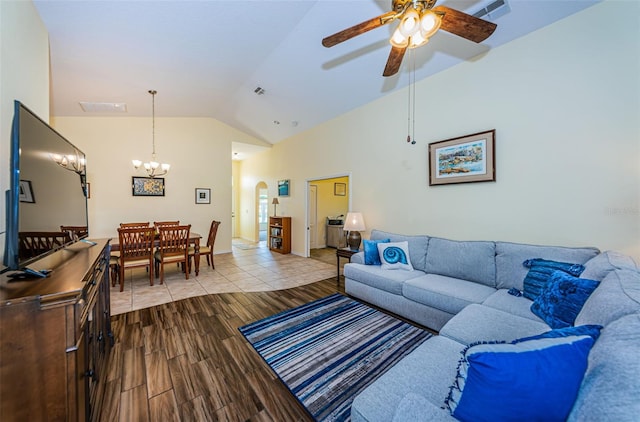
x: 275, y: 201
x: 354, y: 222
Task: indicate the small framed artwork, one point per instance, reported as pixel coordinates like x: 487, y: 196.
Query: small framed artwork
x: 283, y: 187
x: 339, y: 189
x: 203, y: 196
x: 147, y: 186
x: 26, y: 193
x: 465, y: 159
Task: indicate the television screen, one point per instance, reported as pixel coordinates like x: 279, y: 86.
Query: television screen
x: 47, y: 204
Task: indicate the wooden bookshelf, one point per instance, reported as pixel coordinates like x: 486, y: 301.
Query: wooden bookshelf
x: 280, y: 234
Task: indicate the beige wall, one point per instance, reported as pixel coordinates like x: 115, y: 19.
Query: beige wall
x: 24, y: 76
x: 565, y: 104
x: 198, y: 149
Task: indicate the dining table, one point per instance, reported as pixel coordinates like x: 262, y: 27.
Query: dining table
x: 194, y: 240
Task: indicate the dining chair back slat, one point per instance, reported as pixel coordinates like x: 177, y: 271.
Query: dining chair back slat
x: 136, y: 250
x: 134, y: 225
x: 158, y: 224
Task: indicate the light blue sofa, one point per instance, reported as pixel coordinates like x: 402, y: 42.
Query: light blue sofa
x: 461, y: 290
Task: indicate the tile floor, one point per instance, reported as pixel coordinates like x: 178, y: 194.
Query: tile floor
x: 251, y: 267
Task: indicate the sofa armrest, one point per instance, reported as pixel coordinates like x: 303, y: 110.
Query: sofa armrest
x: 357, y: 258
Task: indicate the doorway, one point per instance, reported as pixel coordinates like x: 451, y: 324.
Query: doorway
x: 328, y: 198
x: 262, y: 216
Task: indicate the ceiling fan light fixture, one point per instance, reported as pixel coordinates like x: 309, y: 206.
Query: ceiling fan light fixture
x: 410, y: 23
x: 417, y: 40
x: 429, y: 23
x: 398, y: 40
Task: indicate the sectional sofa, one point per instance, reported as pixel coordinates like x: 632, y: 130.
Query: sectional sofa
x: 471, y: 292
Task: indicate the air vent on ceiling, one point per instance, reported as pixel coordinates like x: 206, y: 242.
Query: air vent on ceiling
x: 493, y: 10
x: 90, y: 107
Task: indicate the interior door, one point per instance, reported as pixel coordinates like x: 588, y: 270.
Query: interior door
x: 313, y: 216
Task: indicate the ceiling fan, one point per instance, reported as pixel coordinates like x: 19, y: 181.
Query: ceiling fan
x: 419, y: 20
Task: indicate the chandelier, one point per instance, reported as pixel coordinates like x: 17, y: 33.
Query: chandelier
x: 153, y: 167
x: 417, y: 24
x: 72, y: 162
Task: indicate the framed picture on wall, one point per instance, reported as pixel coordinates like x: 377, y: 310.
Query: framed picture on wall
x: 147, y: 186
x: 203, y: 196
x: 26, y: 192
x: 465, y: 159
x: 340, y: 189
x: 283, y: 187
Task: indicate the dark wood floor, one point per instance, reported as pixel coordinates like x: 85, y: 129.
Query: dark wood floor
x: 187, y: 361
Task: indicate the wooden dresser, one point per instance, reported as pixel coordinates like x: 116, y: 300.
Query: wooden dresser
x: 55, y: 337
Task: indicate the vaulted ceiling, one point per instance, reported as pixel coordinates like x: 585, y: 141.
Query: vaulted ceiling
x: 207, y: 58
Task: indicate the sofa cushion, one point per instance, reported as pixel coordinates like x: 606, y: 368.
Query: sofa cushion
x: 510, y: 256
x: 469, y: 260
x: 516, y: 305
x: 395, y: 256
x: 482, y: 323
x: 617, y: 295
x: 598, y: 267
x: 371, y: 255
x: 539, y: 272
x: 562, y: 298
x: 414, y: 407
x: 610, y: 389
x: 428, y: 370
x: 534, y: 379
x: 375, y: 276
x: 445, y: 293
x: 417, y: 246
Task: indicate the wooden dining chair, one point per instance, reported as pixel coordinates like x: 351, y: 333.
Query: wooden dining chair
x: 133, y: 225
x: 174, y: 247
x: 207, y: 249
x: 136, y: 250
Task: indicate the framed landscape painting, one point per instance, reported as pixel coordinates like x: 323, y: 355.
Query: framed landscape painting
x: 283, y: 187
x: 465, y: 159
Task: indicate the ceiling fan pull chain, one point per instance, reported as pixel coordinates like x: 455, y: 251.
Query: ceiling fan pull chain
x: 413, y: 134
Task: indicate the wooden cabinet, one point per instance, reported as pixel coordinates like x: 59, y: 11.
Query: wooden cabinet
x: 55, y: 337
x: 280, y: 234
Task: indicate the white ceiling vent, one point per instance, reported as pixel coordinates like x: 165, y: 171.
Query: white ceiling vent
x: 90, y: 107
x: 494, y: 10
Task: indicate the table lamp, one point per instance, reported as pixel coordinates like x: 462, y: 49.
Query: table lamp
x: 275, y: 206
x: 354, y: 223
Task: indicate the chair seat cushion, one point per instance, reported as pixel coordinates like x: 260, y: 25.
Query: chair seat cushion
x: 136, y: 262
x: 203, y: 250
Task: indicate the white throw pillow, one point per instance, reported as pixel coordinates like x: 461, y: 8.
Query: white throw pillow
x: 395, y: 256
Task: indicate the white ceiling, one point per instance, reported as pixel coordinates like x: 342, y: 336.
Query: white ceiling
x: 205, y: 58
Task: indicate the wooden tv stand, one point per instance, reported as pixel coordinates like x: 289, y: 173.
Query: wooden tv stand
x: 55, y: 337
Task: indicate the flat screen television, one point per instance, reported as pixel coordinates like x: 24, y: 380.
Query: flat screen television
x: 47, y: 201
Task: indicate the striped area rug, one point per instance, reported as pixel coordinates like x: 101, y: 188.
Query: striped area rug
x: 329, y: 350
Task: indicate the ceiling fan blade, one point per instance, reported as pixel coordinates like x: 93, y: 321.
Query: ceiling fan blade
x: 358, y: 29
x: 464, y: 25
x: 394, y: 61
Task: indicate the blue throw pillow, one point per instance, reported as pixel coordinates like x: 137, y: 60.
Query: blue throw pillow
x: 539, y: 272
x: 533, y: 380
x: 371, y: 255
x: 562, y: 298
x: 395, y: 255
